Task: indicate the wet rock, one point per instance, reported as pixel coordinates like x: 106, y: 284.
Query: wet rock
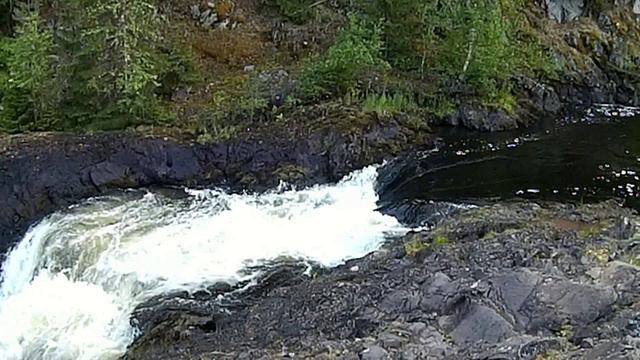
x: 42, y: 173
x: 464, y: 300
x: 415, y: 212
x: 481, y: 119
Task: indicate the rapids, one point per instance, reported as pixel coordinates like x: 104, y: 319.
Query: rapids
x: 69, y: 287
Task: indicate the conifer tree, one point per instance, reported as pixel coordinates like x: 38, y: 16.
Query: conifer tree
x: 29, y: 92
x: 115, y: 63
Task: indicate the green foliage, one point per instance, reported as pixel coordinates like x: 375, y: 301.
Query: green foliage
x: 298, y: 11
x: 415, y: 246
x: 478, y: 44
x: 359, y: 48
x: 99, y: 68
x: 30, y: 93
x: 5, y: 56
x: 387, y: 104
x: 118, y: 66
x: 502, y: 98
x: 217, y: 123
x: 440, y: 239
x: 440, y: 106
x: 402, y: 22
x: 177, y: 67
x: 566, y: 331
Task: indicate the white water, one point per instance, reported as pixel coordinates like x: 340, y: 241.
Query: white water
x: 69, y: 287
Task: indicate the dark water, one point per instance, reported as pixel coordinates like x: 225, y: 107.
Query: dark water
x: 591, y: 156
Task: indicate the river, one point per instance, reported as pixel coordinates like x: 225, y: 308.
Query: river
x: 69, y: 287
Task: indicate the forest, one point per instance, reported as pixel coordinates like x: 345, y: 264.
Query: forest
x: 84, y: 65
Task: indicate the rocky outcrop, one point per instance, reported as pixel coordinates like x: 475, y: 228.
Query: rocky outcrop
x: 564, y: 10
x: 511, y: 281
x: 597, y: 52
x: 42, y: 173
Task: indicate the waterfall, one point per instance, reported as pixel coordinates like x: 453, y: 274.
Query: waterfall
x: 69, y: 287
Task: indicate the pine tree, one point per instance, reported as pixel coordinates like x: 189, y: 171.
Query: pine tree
x: 29, y: 93
x: 116, y: 64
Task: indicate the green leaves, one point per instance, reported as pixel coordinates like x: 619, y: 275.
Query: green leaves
x: 30, y: 94
x: 100, y: 70
x: 121, y: 36
x: 359, y: 47
x: 475, y: 43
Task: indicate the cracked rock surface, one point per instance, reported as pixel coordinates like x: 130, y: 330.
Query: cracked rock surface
x: 515, y: 280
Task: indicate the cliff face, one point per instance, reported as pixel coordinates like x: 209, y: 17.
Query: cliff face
x: 597, y: 46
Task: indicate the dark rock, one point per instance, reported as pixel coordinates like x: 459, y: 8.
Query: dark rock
x: 440, y: 294
x: 465, y: 300
x: 415, y: 212
x: 558, y: 302
x: 481, y: 324
x: 523, y: 347
x: 624, y: 278
x: 374, y: 352
x: 43, y: 173
x: 607, y: 350
x: 275, y: 86
x: 477, y: 118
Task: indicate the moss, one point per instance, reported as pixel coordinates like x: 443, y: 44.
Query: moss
x: 290, y: 173
x: 440, y: 239
x: 414, y: 245
x: 490, y: 235
x: 550, y: 355
x: 589, y: 230
x: 566, y: 331
x: 632, y: 260
x: 599, y: 254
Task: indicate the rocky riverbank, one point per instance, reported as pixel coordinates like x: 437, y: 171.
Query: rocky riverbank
x: 594, y: 48
x: 507, y: 281
x: 42, y: 173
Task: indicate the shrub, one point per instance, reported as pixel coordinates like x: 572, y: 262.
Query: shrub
x: 119, y: 40
x: 298, y: 11
x: 100, y: 70
x: 5, y: 16
x: 402, y: 22
x: 177, y: 66
x: 479, y: 44
x: 358, y: 47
